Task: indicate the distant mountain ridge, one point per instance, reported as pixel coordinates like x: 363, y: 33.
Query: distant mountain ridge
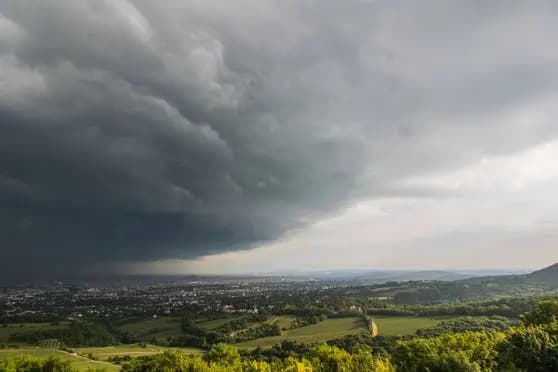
x: 539, y: 281
x: 548, y: 275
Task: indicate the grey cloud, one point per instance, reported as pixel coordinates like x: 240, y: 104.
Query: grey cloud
x: 134, y: 131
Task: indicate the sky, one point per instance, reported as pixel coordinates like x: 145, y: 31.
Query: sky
x: 246, y: 136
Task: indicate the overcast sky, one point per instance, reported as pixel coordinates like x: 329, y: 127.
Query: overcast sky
x: 205, y: 136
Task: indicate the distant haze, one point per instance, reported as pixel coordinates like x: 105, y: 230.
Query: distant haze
x: 256, y: 135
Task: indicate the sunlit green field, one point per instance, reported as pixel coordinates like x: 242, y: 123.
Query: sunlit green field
x: 284, y: 321
x: 216, y: 323
x: 401, y: 326
x: 323, y: 331
x: 104, y: 353
x: 159, y: 328
x: 80, y: 363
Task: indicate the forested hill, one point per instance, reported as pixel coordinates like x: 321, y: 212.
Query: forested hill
x: 546, y: 278
x: 540, y: 282
x: 536, y: 282
x: 548, y: 275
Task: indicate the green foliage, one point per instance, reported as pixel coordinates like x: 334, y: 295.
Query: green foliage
x: 163, y: 362
x: 79, y: 333
x: 29, y: 364
x: 225, y: 358
x: 464, y: 324
x: 469, y: 351
x: 330, y: 358
x: 533, y: 346
x: 326, y: 358
x: 223, y: 354
x: 545, y: 312
x: 511, y: 307
x: 302, y: 321
x: 262, y: 330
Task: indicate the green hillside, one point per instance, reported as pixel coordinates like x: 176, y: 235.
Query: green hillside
x: 547, y: 276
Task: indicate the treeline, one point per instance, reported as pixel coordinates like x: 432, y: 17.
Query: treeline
x: 78, y: 333
x: 303, y: 321
x: 262, y: 330
x: 507, y: 307
x: 226, y: 358
x: 238, y: 330
x: 31, y: 318
x: 428, y: 292
x: 240, y: 323
x: 464, y: 324
x: 195, y: 336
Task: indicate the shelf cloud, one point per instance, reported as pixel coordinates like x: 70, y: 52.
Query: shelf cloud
x: 138, y: 131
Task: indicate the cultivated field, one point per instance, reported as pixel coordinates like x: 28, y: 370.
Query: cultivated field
x: 402, y: 326
x: 216, y: 323
x: 284, y: 321
x: 323, y: 331
x: 78, y: 362
x: 104, y: 353
x: 158, y: 328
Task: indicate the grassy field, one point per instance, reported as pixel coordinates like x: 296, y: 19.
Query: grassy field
x: 335, y: 328
x: 284, y: 321
x: 401, y: 326
x: 216, y: 323
x: 158, y: 328
x: 80, y: 363
x: 7, y: 330
x: 103, y: 353
x: 163, y: 327
x: 323, y: 331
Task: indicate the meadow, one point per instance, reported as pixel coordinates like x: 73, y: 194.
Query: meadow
x: 320, y: 332
x: 153, y: 329
x: 335, y: 328
x: 134, y: 351
x: 216, y: 323
x: 402, y: 326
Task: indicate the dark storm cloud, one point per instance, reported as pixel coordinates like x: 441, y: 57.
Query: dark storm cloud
x: 134, y: 131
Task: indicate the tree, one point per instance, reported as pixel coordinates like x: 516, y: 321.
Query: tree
x: 29, y: 364
x: 468, y: 351
x: 531, y: 348
x: 223, y: 354
x: 545, y: 312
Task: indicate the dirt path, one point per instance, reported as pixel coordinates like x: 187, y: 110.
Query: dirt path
x: 87, y: 359
x: 374, y: 329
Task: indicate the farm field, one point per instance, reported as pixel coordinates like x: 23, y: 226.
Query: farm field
x: 323, y: 331
x: 78, y: 362
x: 401, y: 326
x: 284, y: 321
x: 158, y: 329
x: 104, y: 353
x: 216, y: 323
